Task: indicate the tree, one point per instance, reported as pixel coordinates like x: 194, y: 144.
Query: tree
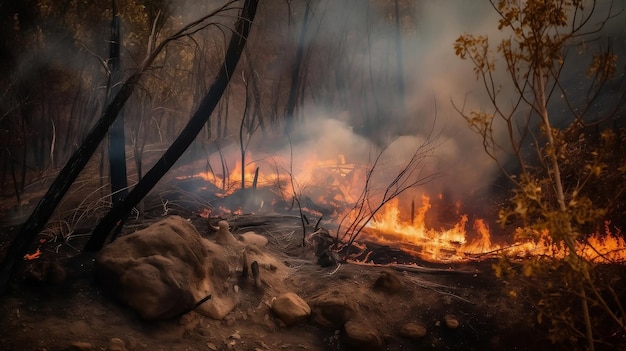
x: 47, y: 204
x: 296, y: 73
x: 117, y: 214
x: 540, y: 37
x: 117, y: 142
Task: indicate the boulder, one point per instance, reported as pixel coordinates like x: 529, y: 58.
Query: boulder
x: 291, y: 308
x: 162, y: 270
x: 361, y: 336
x: 332, y: 309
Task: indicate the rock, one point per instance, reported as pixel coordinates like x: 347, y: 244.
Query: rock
x: 80, y: 346
x: 117, y: 344
x: 224, y: 236
x: 217, y: 308
x: 332, y: 309
x: 362, y: 336
x: 388, y: 281
x: 291, y: 308
x: 162, y: 270
x: 252, y: 238
x: 451, y: 321
x: 414, y: 331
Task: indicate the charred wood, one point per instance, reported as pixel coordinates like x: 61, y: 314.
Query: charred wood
x: 118, y: 214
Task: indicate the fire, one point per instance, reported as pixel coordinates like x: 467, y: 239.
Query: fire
x: 453, y: 245
x: 336, y: 183
x: 231, y: 181
x: 333, y: 181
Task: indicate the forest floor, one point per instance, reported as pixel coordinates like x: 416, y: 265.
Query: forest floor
x: 461, y: 306
x: 77, y: 314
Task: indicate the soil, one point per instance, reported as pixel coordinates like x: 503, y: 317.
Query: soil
x: 75, y: 313
x: 461, y: 306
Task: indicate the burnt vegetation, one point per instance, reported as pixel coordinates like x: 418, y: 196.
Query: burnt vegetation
x: 100, y: 100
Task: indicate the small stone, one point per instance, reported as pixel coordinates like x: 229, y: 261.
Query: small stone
x: 362, y: 336
x: 332, y: 309
x: 290, y: 308
x: 211, y: 346
x: 414, y: 331
x: 451, y: 321
x: 80, y: 346
x: 235, y: 336
x: 117, y: 344
x: 389, y: 282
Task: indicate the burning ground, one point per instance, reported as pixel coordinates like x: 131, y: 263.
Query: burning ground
x: 405, y: 284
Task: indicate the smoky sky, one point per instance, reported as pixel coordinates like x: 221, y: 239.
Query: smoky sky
x: 433, y: 79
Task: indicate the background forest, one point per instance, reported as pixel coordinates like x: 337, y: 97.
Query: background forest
x: 55, y: 73
x: 348, y: 73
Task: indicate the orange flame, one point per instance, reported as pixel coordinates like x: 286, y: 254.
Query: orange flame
x: 33, y: 256
x: 337, y: 183
x: 452, y: 245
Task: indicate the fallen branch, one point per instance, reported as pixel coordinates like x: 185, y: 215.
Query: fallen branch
x: 416, y: 268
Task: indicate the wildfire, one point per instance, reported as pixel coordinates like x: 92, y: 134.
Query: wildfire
x: 453, y: 245
x: 231, y: 181
x: 336, y: 183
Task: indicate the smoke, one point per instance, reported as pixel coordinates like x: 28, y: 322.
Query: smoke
x: 357, y: 84
x: 350, y: 123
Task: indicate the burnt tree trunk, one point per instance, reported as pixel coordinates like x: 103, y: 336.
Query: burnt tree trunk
x: 295, y: 75
x: 117, y: 142
x: 44, y: 209
x: 119, y: 212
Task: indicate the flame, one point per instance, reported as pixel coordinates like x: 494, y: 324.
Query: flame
x: 35, y: 255
x: 336, y: 183
x: 231, y: 181
x: 452, y: 245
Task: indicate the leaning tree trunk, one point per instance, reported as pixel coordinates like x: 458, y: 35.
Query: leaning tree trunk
x: 119, y: 212
x: 40, y: 215
x: 44, y: 209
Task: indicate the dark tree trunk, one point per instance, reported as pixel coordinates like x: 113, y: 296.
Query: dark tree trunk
x: 119, y: 212
x: 295, y: 75
x: 40, y: 215
x: 399, y: 61
x: 117, y: 141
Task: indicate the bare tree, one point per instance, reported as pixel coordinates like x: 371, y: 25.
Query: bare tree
x: 374, y: 196
x: 118, y: 214
x: 81, y: 156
